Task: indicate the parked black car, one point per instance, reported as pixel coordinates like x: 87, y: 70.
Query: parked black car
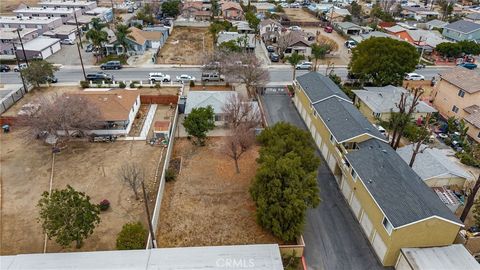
x: 274, y: 57
x: 99, y: 76
x: 111, y: 65
x: 4, y: 68
x: 51, y: 79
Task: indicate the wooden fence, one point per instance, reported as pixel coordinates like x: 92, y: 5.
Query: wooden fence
x: 159, y: 99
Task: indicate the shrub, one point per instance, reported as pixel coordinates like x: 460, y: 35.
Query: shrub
x: 132, y: 236
x: 84, y: 84
x: 157, y: 85
x: 104, y: 205
x: 192, y: 84
x: 170, y: 175
x: 132, y: 84
x: 122, y: 85
x: 468, y: 159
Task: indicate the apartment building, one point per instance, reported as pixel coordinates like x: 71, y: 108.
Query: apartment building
x: 42, y: 24
x: 458, y: 94
x: 9, y: 37
x: 390, y: 201
x: 64, y: 13
x: 84, y: 5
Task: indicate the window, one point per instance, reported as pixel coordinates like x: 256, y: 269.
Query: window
x: 455, y: 109
x: 478, y: 136
x: 387, y: 225
x: 218, y: 117
x: 314, y: 113
x: 332, y: 140
x: 354, y: 174
x: 377, y: 115
x: 461, y: 93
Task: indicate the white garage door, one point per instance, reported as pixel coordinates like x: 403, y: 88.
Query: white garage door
x: 356, y: 207
x: 325, y: 151
x: 318, y: 140
x: 308, y: 121
x: 304, y: 114
x: 332, y: 162
x: 72, y: 36
x: 295, y: 100
x: 46, y: 53
x: 346, y: 190
x: 402, y: 263
x: 56, y: 47
x: 312, y: 129
x: 367, y: 225
x: 379, y: 246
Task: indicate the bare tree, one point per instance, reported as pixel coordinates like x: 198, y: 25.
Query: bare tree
x: 470, y: 200
x: 60, y: 115
x: 239, y: 111
x: 133, y: 175
x: 406, y: 107
x: 284, y: 41
x: 238, y: 142
x: 247, y: 69
x: 421, y: 135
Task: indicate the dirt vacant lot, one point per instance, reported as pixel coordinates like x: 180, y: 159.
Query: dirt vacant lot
x: 186, y: 45
x: 300, y: 15
x: 88, y: 167
x: 208, y: 203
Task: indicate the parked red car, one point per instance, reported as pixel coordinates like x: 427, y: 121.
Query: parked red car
x: 328, y: 29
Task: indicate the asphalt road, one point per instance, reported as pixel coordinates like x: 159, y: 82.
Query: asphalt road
x: 278, y: 73
x: 333, y: 237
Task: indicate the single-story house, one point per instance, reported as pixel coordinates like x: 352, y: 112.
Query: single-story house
x: 231, y: 10
x: 361, y: 37
x: 202, y: 15
x: 297, y: 42
x: 247, y: 41
x: 216, y: 99
x: 418, y: 13
x: 435, y: 23
x: 452, y: 257
x: 270, y: 30
x: 118, y: 109
x: 264, y: 7
x: 473, y: 17
x: 39, y: 48
x: 434, y: 167
x: 379, y: 102
x: 422, y: 39
x: 472, y: 120
x: 9, y: 36
x: 140, y: 40
x: 243, y: 27
x: 338, y: 14
x: 189, y: 8
x: 462, y: 30
x: 63, y: 32
x: 349, y: 28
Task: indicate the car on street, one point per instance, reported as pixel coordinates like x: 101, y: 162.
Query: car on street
x: 295, y: 5
x: 20, y: 67
x: 295, y: 28
x: 158, y: 77
x: 414, y: 77
x: 284, y: 5
x: 99, y: 76
x: 185, y: 78
x: 51, y: 79
x: 419, y: 66
x: 212, y: 77
x: 274, y: 57
x: 304, y: 66
x: 468, y: 65
x: 4, y: 68
x: 350, y: 44
x: 270, y: 49
x: 328, y: 29
x: 111, y: 65
x: 67, y: 41
x: 89, y: 47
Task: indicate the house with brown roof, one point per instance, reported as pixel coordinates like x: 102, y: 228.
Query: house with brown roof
x: 231, y: 11
x: 296, y: 42
x: 141, y: 40
x: 118, y: 109
x: 458, y: 94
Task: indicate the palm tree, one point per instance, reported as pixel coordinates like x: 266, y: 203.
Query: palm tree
x: 318, y: 52
x: 122, y: 33
x: 97, y: 24
x: 294, y: 59
x: 97, y: 37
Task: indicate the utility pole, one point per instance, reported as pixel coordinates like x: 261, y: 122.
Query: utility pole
x: 113, y: 12
x: 423, y: 48
x: 23, y: 48
x: 81, y: 62
x: 78, y: 29
x: 150, y: 226
x: 19, y: 70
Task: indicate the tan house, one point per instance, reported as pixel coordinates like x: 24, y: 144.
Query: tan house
x: 379, y: 102
x: 456, y: 94
x: 390, y: 201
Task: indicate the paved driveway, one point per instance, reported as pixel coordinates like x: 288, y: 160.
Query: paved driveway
x: 333, y: 237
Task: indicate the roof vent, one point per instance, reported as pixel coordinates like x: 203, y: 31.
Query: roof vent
x: 370, y: 181
x: 384, y: 151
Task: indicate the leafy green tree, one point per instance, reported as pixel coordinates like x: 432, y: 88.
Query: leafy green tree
x: 132, y: 236
x: 378, y: 14
x: 347, y: 18
x: 252, y: 20
x: 217, y: 27
x: 171, y: 8
x: 285, y: 185
x: 198, y: 122
x: 476, y: 212
x: 319, y: 52
x: 294, y: 59
x: 356, y: 10
x: 215, y: 8
x: 123, y: 33
x: 97, y: 24
x: 97, y: 37
x: 449, y: 49
x: 38, y: 72
x: 469, y: 47
x: 68, y: 216
x: 146, y: 14
x: 446, y: 8
x: 383, y: 61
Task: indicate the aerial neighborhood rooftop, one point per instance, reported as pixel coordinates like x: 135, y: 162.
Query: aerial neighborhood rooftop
x: 227, y: 134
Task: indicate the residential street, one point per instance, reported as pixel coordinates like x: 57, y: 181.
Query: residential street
x: 332, y: 236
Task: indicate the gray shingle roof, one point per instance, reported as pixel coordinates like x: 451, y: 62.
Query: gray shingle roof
x: 399, y: 191
x: 384, y: 99
x: 318, y: 87
x: 344, y: 120
x: 431, y: 163
x: 473, y: 16
x: 216, y: 99
x: 463, y: 26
